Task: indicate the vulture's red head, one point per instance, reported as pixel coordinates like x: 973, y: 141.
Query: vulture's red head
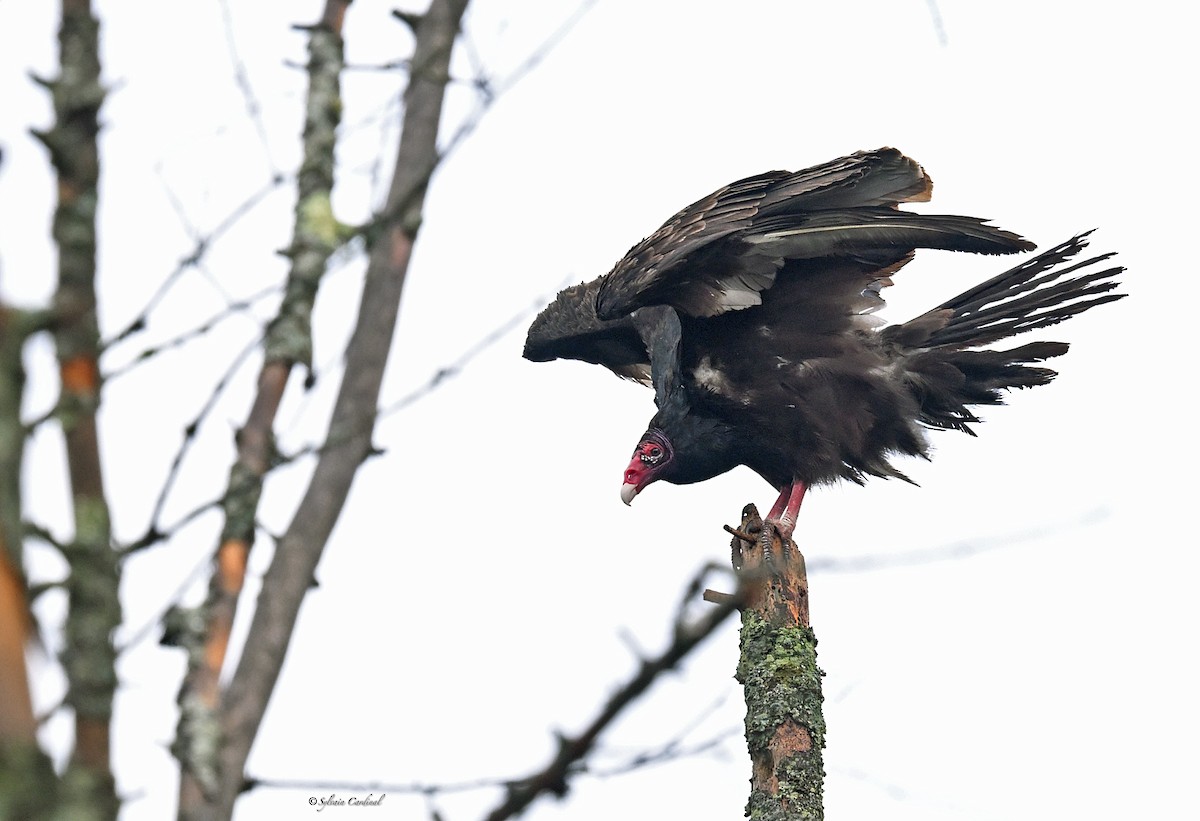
x: 650, y: 459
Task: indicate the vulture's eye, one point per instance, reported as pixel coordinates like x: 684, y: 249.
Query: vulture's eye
x: 651, y: 454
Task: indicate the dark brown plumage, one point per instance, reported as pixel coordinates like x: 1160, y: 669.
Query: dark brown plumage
x: 752, y: 312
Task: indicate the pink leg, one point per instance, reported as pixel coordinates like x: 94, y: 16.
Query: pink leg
x: 791, y: 508
x: 780, y: 503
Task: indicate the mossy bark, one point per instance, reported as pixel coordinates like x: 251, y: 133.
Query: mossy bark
x: 94, y: 609
x: 785, y: 728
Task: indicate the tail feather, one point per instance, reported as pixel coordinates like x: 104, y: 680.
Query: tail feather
x: 1002, y: 325
x: 947, y: 382
x: 1029, y: 268
x: 1021, y: 279
x: 947, y: 372
x: 1030, y: 296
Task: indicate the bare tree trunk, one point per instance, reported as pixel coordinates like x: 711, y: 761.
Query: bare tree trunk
x: 785, y: 728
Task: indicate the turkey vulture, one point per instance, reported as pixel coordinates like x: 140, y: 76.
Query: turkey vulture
x: 752, y: 314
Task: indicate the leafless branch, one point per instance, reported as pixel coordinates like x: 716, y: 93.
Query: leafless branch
x: 949, y: 552
x: 456, y: 367
x: 570, y: 760
x: 138, y: 323
x: 553, y: 778
x: 939, y: 26
x: 241, y: 76
x: 207, y: 326
x: 672, y: 750
x: 155, y: 532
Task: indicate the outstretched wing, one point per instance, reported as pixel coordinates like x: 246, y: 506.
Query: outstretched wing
x: 721, y: 253
x: 568, y: 328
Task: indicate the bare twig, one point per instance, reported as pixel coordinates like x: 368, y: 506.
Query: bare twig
x: 569, y: 760
x: 488, y: 93
x: 456, y: 367
x: 552, y: 779
x: 207, y: 326
x: 155, y: 532
x: 939, y: 27
x: 951, y: 552
x: 241, y: 76
x: 203, y: 244
x: 672, y: 750
x: 439, y: 378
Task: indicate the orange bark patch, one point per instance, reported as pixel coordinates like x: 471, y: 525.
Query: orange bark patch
x: 791, y: 738
x: 231, y: 564
x: 80, y: 375
x: 788, y: 740
x: 16, y: 710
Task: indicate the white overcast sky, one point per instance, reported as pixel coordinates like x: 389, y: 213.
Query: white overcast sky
x: 1046, y: 677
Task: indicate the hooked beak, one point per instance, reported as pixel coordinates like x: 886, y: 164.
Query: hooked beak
x: 652, y: 454
x: 637, y: 476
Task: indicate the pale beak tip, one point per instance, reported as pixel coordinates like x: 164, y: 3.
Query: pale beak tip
x: 628, y: 491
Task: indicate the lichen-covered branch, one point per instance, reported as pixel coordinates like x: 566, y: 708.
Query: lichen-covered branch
x: 291, y: 572
x: 92, y: 586
x: 288, y: 342
x: 785, y: 727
